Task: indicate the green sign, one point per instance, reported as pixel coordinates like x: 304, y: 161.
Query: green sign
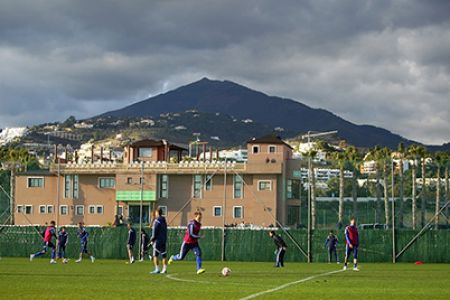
x: 297, y: 174
x: 135, y: 196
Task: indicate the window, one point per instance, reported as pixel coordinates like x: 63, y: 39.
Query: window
x: 63, y: 210
x: 79, y: 210
x: 217, y: 211
x: 264, y: 185
x: 237, y: 186
x: 163, y: 186
x: 91, y: 209
x: 28, y: 209
x: 99, y: 209
x: 106, y: 182
x: 293, y: 217
x: 197, y: 186
x: 293, y: 189
x: 42, y: 209
x: 49, y: 209
x: 35, y: 182
x: 209, y: 182
x: 255, y: 149
x: 130, y: 180
x: 119, y: 210
x: 163, y: 210
x: 76, y: 186
x: 19, y: 209
x: 145, y: 152
x: 238, y: 212
x: 67, y: 184
x: 272, y: 149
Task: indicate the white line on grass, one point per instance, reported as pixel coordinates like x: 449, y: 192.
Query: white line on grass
x: 172, y: 276
x: 288, y: 285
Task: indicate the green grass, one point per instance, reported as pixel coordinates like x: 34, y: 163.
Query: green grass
x: 113, y: 279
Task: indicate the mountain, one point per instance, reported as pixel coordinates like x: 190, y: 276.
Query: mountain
x: 232, y: 99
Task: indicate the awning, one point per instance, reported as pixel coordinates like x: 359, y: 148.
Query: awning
x: 125, y: 196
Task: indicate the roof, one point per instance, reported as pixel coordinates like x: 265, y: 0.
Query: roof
x: 269, y: 139
x: 155, y: 143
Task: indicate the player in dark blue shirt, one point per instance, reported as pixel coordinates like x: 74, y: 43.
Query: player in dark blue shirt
x: 331, y: 244
x: 145, y: 241
x: 83, y: 235
x: 131, y: 241
x: 281, y: 249
x: 63, y: 239
x: 159, y: 240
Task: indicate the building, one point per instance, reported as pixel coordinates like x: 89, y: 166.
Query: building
x: 258, y: 191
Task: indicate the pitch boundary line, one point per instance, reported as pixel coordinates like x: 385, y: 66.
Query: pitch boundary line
x: 172, y: 277
x: 288, y: 285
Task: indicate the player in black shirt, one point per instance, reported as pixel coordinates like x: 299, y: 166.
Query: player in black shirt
x: 281, y: 249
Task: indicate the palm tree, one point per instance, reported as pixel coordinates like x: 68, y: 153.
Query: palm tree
x: 376, y: 155
x: 385, y: 157
x: 421, y: 151
x: 438, y: 160
x: 340, y: 158
x: 401, y: 154
x: 413, y: 152
x: 311, y: 154
x: 446, y: 183
x: 354, y: 158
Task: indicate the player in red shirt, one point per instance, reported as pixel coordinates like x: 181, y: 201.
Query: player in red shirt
x: 49, y: 233
x: 190, y: 242
x: 352, y: 243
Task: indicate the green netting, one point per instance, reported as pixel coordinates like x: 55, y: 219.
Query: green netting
x: 241, y: 244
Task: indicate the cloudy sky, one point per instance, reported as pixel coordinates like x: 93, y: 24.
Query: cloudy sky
x: 385, y: 63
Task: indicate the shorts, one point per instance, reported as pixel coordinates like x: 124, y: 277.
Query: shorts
x: 130, y: 246
x: 83, y: 248
x: 159, y: 248
x: 349, y: 250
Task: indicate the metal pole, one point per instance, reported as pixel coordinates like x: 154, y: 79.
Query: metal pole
x: 393, y: 217
x: 224, y: 211
x: 57, y: 193
x: 140, y: 208
x: 309, y: 199
x: 12, y: 192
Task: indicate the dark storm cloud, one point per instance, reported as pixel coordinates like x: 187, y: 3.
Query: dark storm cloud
x: 385, y: 63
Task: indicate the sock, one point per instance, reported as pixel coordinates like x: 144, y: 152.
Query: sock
x: 176, y: 257
x: 199, y: 262
x: 164, y: 268
x: 37, y: 254
x: 157, y: 268
x: 53, y: 254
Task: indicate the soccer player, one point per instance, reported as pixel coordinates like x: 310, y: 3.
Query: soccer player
x: 281, y: 249
x: 352, y: 243
x: 159, y: 239
x: 190, y: 242
x: 83, y: 235
x: 49, y: 233
x: 63, y: 238
x: 145, y: 240
x: 131, y: 241
x: 331, y: 244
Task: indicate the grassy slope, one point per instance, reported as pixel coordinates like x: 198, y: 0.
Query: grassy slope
x: 113, y: 279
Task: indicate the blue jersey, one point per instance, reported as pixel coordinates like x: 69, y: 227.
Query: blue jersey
x: 63, y: 238
x: 83, y: 235
x: 131, y: 236
x: 331, y: 241
x: 159, y: 230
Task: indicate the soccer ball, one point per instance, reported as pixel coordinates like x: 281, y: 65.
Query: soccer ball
x: 226, y: 271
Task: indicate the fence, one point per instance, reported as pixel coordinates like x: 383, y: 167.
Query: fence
x: 240, y: 244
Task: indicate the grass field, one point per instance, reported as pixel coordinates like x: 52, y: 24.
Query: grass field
x: 113, y: 279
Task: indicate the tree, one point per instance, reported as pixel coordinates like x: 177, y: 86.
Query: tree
x: 340, y: 158
x: 446, y: 183
x: 376, y: 155
x: 355, y: 160
x: 385, y: 156
x: 401, y: 151
x: 311, y: 154
x: 421, y: 151
x: 438, y: 160
x: 413, y: 154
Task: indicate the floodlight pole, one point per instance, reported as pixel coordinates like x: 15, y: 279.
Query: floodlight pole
x: 224, y: 210
x: 393, y: 216
x: 308, y: 136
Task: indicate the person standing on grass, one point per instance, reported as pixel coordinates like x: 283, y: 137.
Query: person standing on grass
x: 281, y: 249
x: 49, y: 234
x: 352, y: 243
x: 159, y: 240
x: 83, y: 235
x: 190, y: 242
x: 145, y: 240
x: 331, y: 244
x: 63, y: 238
x: 131, y: 241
